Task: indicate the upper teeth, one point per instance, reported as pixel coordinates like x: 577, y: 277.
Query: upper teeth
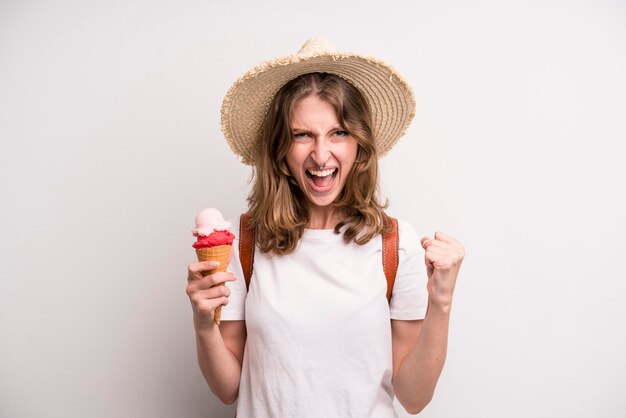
x: 322, y: 173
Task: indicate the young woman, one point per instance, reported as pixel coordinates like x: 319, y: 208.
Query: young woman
x: 314, y: 335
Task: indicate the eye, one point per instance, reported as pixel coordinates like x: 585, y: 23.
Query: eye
x: 300, y: 136
x: 341, y: 133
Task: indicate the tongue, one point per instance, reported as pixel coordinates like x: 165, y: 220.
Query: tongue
x: 322, y: 181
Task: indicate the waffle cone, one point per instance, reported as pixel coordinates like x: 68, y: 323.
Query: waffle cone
x: 219, y: 253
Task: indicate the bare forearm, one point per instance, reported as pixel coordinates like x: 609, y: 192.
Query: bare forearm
x: 418, y: 374
x: 219, y: 366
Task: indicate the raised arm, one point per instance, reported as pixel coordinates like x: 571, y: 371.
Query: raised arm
x: 420, y: 347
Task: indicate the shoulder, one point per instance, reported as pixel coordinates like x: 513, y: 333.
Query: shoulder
x: 408, y: 239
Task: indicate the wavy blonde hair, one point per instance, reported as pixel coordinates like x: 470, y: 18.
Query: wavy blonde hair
x: 277, y: 204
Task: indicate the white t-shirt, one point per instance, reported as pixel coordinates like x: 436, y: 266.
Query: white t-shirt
x: 318, y: 323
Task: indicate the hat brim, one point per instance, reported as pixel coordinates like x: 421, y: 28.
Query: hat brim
x: 246, y: 104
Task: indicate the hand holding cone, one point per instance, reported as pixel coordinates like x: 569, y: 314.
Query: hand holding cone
x: 220, y: 253
x: 214, y: 243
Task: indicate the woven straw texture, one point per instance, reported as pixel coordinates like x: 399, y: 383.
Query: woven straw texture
x: 219, y: 253
x: 388, y: 95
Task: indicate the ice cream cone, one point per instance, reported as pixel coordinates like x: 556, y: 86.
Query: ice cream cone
x: 218, y: 253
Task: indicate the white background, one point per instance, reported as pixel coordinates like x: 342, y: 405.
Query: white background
x: 110, y: 143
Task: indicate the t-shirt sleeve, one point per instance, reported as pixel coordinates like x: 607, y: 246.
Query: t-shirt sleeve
x: 235, y: 310
x: 409, y: 298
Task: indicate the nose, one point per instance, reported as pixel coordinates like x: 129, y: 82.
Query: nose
x: 321, y: 152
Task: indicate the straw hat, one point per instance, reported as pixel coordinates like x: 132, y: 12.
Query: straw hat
x: 388, y: 95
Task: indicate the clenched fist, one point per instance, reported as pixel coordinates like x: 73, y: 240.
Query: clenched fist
x: 443, y: 260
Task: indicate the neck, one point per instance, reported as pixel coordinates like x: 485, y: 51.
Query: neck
x: 324, y: 218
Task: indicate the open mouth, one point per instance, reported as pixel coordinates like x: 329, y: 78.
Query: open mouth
x: 321, y: 180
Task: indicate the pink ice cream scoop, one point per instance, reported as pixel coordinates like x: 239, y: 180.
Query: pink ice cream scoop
x: 208, y: 221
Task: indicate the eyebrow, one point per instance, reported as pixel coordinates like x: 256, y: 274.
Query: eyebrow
x: 307, y: 131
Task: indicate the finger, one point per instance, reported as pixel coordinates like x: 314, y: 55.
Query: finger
x: 443, y: 256
x: 443, y: 237
x: 214, y: 280
x: 436, y: 253
x: 207, y: 306
x: 425, y: 241
x: 437, y: 246
x: 442, y: 251
x: 431, y: 257
x: 211, y: 293
x: 196, y: 269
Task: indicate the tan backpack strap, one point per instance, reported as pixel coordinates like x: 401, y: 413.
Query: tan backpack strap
x: 390, y: 256
x: 246, y: 246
